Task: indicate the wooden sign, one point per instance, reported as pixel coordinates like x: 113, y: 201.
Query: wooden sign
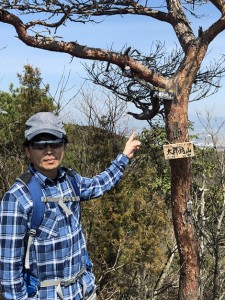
x: 180, y: 150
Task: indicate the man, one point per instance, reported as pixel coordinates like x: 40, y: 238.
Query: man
x: 55, y: 258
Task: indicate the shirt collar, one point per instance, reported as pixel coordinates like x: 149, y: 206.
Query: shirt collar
x: 42, y: 178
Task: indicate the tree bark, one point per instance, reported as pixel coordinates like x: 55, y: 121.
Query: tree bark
x: 181, y: 174
x: 184, y: 229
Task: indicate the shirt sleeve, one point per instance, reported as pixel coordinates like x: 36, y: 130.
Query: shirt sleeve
x: 99, y: 184
x: 13, y: 226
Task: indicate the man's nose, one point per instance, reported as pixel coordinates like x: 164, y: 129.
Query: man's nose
x: 48, y: 148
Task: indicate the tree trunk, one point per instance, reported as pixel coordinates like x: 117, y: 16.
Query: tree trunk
x: 184, y: 229
x: 181, y: 171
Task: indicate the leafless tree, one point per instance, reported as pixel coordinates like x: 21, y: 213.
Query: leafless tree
x: 171, y: 89
x: 104, y: 110
x: 146, y: 97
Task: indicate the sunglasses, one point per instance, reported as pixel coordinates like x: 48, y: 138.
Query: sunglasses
x: 41, y: 145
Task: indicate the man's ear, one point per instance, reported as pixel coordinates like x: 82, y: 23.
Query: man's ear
x: 27, y: 151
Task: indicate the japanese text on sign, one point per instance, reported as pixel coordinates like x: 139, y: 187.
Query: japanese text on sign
x: 180, y: 150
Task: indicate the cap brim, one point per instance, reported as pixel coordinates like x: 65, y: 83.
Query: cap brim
x: 56, y: 133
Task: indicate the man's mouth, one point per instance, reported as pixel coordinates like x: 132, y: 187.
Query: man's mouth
x: 49, y: 160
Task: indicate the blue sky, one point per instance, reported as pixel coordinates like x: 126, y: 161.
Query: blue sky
x: 138, y: 32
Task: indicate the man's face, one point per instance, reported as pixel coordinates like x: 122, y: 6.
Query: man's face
x: 46, y: 157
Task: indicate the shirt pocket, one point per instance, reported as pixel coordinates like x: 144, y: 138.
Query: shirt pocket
x: 49, y: 227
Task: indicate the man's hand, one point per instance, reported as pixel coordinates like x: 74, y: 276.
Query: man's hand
x: 131, y: 146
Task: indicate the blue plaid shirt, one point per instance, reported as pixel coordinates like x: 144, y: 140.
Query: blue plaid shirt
x: 59, y: 248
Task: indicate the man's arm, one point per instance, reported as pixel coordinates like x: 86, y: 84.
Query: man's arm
x: 13, y: 226
x: 98, y: 185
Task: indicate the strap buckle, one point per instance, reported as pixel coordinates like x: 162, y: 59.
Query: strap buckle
x: 32, y: 232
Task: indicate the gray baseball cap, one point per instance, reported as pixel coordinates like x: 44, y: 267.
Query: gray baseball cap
x: 44, y: 122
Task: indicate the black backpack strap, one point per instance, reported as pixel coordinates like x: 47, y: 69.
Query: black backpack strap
x: 25, y: 178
